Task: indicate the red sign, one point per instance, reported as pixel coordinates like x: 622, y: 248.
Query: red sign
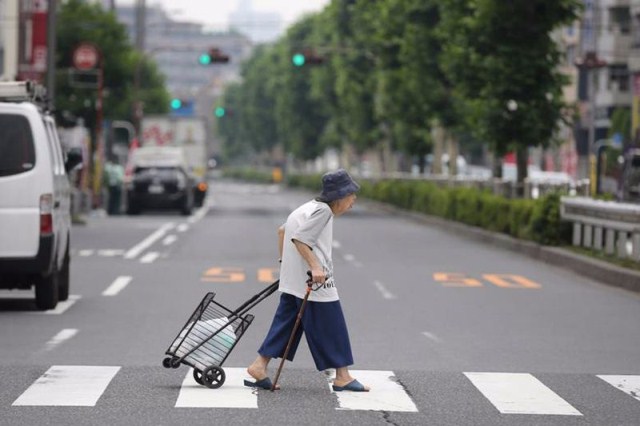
x: 85, y: 57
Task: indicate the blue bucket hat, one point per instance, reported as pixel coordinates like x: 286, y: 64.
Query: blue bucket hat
x: 336, y: 185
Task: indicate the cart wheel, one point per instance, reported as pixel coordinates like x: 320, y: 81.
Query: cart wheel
x: 166, y: 363
x: 175, y: 362
x: 213, y: 377
x: 197, y: 376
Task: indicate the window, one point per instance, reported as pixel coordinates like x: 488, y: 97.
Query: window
x: 620, y: 19
x: 17, y: 152
x: 619, y: 78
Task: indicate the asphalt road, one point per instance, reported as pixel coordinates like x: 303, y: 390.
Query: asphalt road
x: 447, y: 331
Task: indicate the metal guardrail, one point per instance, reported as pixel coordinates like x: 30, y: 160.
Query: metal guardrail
x: 606, y: 226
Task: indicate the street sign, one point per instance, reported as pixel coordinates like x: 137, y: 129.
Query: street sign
x: 85, y: 57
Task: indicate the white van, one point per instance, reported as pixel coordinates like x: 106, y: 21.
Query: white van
x: 35, y: 195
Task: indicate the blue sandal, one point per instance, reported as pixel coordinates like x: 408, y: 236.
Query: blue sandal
x: 353, y: 386
x: 261, y: 384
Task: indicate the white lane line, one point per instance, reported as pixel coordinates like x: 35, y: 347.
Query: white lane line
x: 349, y: 257
x: 199, y: 214
x: 383, y: 290
x: 147, y: 242
x: 183, y: 227
x: 149, y: 257
x: 520, y: 393
x: 110, y: 252
x: 117, y: 285
x: 61, y: 307
x: 234, y: 394
x: 85, y: 253
x: 336, y: 244
x: 68, y: 385
x: 169, y: 239
x: 626, y: 383
x: 59, y: 338
x: 386, y: 393
x: 431, y: 336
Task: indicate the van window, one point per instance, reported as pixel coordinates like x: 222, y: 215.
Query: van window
x: 17, y: 152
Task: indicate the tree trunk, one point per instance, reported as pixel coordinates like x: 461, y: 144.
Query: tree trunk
x: 438, y: 145
x: 522, y: 160
x: 452, y: 142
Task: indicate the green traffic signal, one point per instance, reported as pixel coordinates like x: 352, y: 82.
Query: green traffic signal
x: 176, y: 103
x: 219, y: 112
x: 298, y: 59
x: 204, y: 59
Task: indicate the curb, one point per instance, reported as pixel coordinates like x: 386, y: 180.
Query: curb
x: 596, y: 269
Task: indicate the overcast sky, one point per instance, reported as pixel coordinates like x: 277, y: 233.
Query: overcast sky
x: 215, y: 12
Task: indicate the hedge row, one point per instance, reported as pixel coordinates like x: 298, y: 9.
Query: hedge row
x: 536, y: 220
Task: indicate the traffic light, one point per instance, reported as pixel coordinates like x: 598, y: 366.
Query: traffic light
x: 182, y: 107
x: 214, y: 55
x: 177, y: 103
x: 219, y: 112
x: 298, y: 59
x: 306, y: 56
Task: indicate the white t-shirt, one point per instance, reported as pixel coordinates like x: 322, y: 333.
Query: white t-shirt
x: 312, y: 224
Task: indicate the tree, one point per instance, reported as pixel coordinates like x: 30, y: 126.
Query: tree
x: 504, y: 63
x: 80, y: 21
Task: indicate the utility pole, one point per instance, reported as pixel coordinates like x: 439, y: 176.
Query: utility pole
x: 141, y: 10
x: 51, y: 52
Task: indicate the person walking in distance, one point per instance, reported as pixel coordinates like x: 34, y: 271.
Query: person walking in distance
x: 305, y: 243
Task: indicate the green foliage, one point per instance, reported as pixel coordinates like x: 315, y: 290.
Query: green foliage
x: 393, y: 67
x: 80, y: 21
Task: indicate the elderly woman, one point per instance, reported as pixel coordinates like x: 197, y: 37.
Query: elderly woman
x: 305, y: 243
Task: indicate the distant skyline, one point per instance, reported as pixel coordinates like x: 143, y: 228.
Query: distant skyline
x: 215, y: 14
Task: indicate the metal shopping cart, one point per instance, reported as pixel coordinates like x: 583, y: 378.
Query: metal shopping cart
x: 209, y: 336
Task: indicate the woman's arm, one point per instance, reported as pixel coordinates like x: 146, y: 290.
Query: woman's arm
x: 317, y: 273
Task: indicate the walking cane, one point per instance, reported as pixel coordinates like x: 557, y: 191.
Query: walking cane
x: 295, y: 328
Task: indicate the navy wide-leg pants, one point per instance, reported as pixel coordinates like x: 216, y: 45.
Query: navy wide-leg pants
x: 323, y: 325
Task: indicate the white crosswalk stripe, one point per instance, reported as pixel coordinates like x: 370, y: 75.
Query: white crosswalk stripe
x: 386, y: 393
x: 68, y: 385
x: 627, y: 384
x: 233, y: 394
x: 520, y: 393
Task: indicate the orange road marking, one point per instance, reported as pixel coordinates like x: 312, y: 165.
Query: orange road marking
x: 267, y: 275
x: 511, y: 281
x: 224, y: 275
x: 449, y: 279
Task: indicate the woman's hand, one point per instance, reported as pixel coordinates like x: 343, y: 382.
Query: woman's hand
x: 317, y: 275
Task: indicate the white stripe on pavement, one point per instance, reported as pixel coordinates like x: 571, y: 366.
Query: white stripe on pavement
x: 147, y: 242
x: 383, y: 290
x: 68, y: 385
x: 61, y: 307
x: 149, y: 257
x: 386, y: 393
x: 233, y: 394
x: 117, y: 285
x: 183, y: 227
x: 63, y: 335
x: 85, y: 253
x: 627, y: 384
x: 169, y: 239
x: 520, y: 393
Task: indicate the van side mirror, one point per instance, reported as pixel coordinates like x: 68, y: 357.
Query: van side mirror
x: 74, y: 157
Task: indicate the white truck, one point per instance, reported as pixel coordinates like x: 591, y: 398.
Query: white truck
x: 187, y: 133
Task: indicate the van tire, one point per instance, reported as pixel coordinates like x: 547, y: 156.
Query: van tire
x: 63, y: 280
x: 47, y: 290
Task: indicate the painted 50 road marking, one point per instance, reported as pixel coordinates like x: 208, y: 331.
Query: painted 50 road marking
x: 454, y: 279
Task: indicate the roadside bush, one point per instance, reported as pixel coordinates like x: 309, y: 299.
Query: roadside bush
x: 536, y: 220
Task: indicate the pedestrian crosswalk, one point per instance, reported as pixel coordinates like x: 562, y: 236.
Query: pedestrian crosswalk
x: 507, y: 393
